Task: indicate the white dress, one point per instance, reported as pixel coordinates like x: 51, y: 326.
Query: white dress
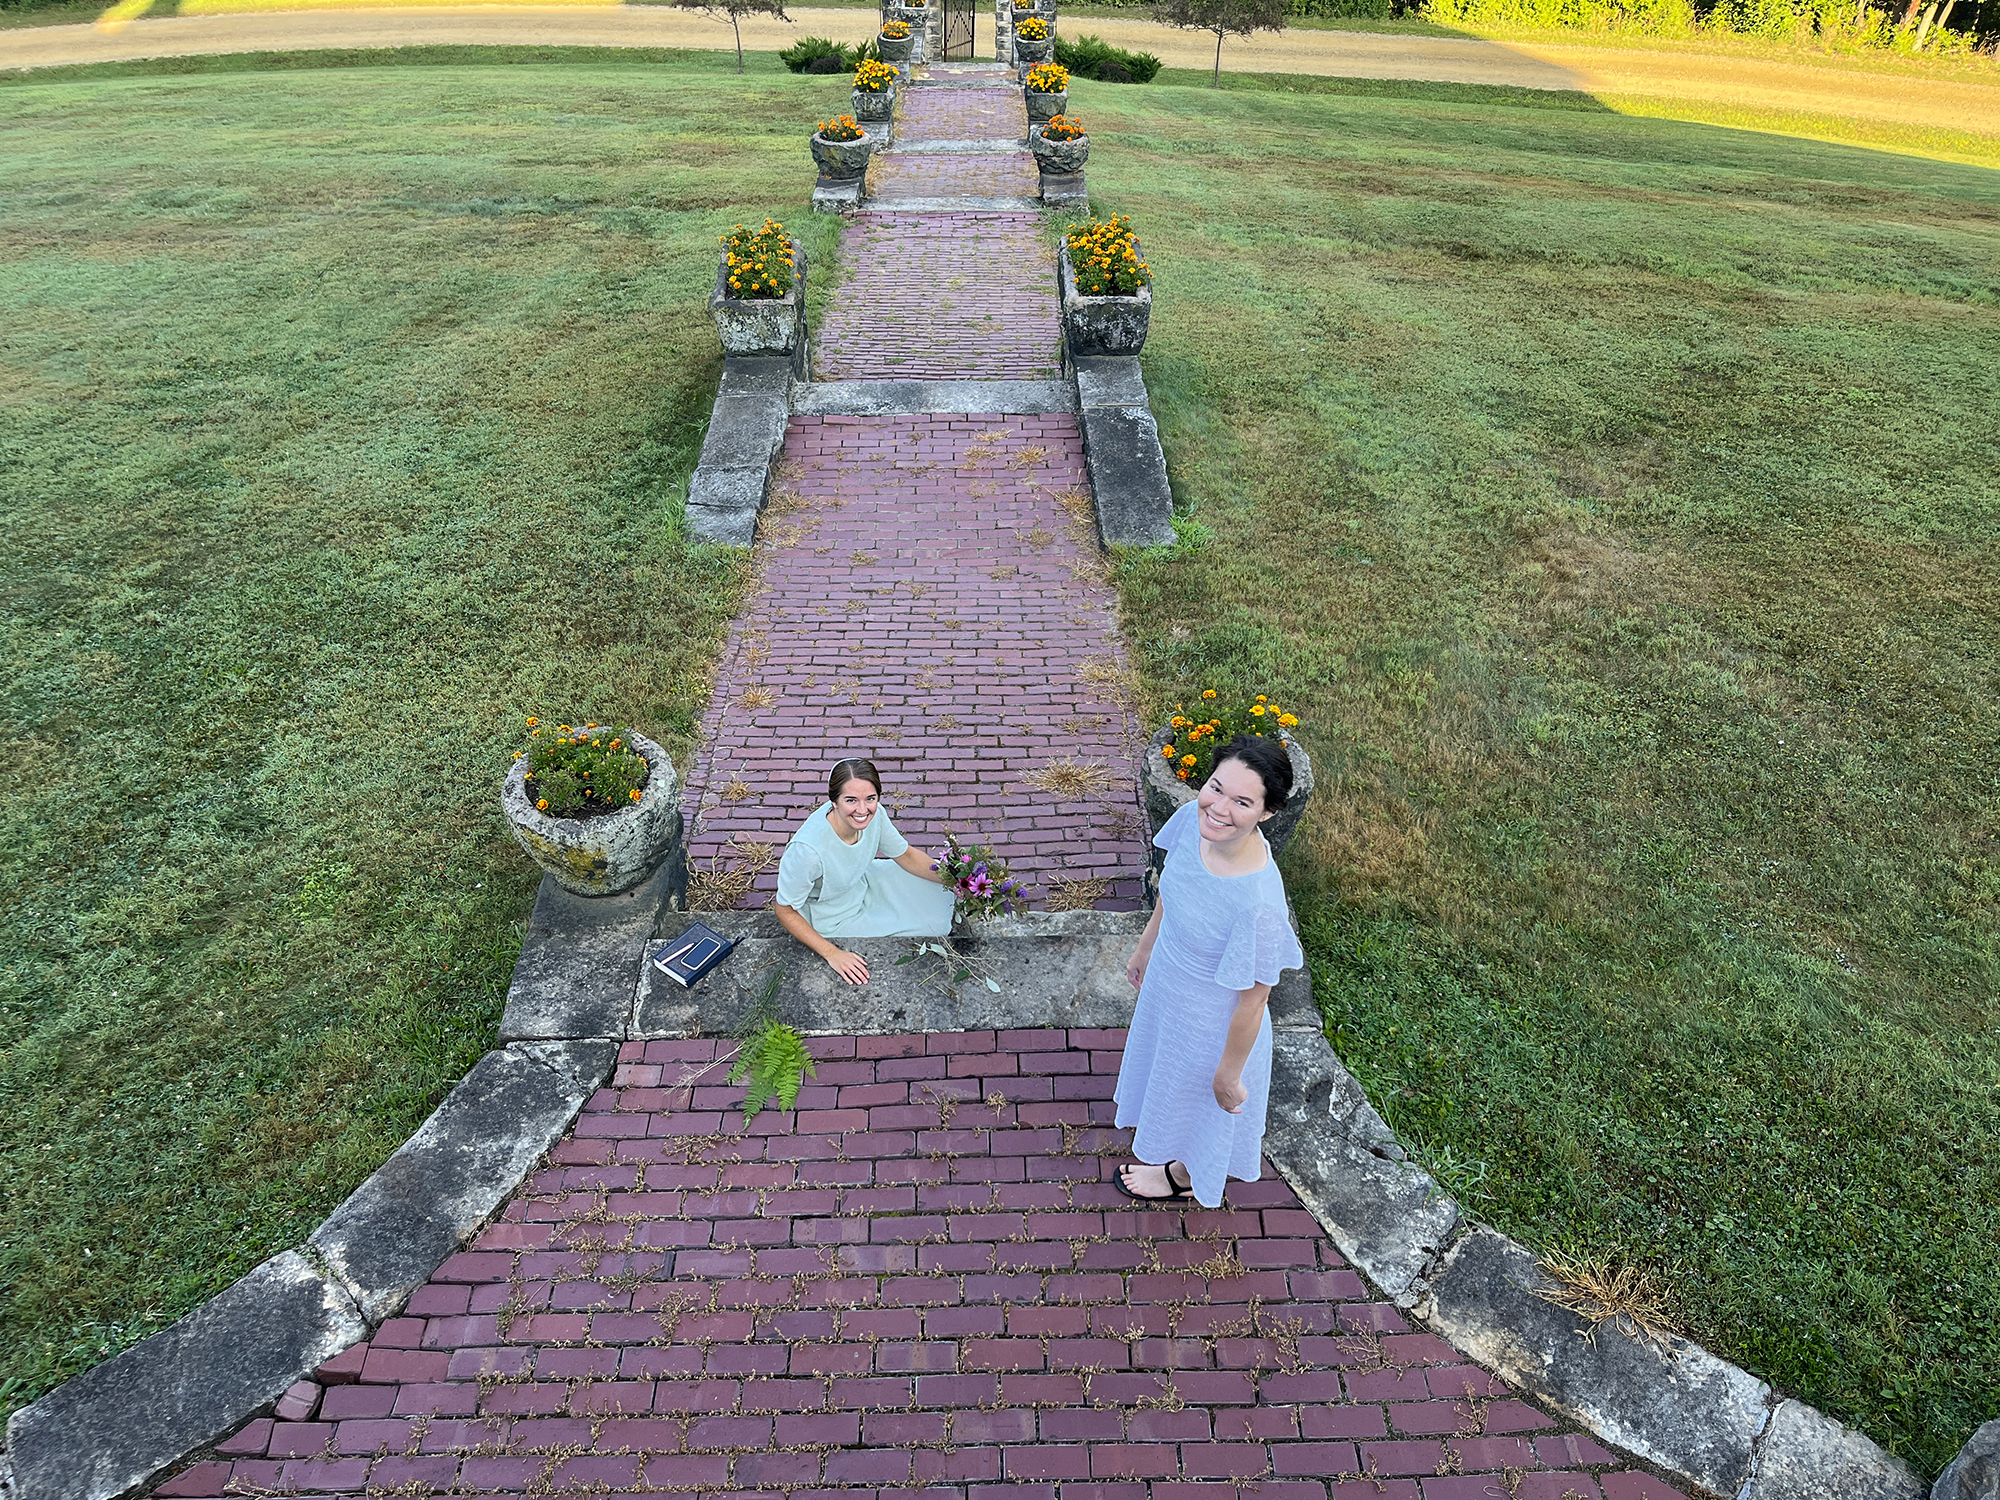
x: 1219, y: 935
x: 845, y: 891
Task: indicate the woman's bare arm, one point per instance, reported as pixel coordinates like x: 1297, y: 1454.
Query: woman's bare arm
x: 1243, y: 1028
x: 849, y: 966
x: 1135, y: 967
x: 917, y: 862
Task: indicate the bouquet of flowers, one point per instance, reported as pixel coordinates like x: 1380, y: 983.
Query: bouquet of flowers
x: 979, y: 881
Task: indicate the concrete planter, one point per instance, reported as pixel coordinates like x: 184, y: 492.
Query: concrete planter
x: 1101, y: 325
x: 1166, y: 794
x: 841, y: 161
x: 602, y: 856
x: 919, y: 18
x: 760, y: 325
x: 1060, y: 158
x: 875, y: 108
x: 897, y: 51
x: 1027, y: 53
x: 1043, y: 107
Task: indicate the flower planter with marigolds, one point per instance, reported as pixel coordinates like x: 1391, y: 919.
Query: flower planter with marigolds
x: 1033, y: 42
x: 840, y: 147
x: 1046, y: 89
x: 896, y: 41
x: 918, y: 19
x: 591, y: 844
x: 760, y: 291
x: 874, y: 92
x: 1106, y: 288
x: 1061, y: 146
x: 1182, y: 754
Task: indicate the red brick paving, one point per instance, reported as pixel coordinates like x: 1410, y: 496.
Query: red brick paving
x: 922, y: 1280
x: 961, y: 114
x: 899, y: 176
x: 942, y: 296
x: 926, y: 600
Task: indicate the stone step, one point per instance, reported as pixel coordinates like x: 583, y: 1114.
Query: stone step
x: 1037, y: 970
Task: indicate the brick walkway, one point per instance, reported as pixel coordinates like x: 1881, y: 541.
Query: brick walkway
x: 921, y: 300
x: 922, y: 1281
x: 1001, y: 175
x: 927, y: 598
x: 962, y: 115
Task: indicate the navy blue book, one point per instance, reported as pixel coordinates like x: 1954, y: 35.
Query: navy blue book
x: 686, y: 958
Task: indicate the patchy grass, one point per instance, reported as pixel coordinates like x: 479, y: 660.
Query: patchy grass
x: 346, y: 417
x: 1616, y: 500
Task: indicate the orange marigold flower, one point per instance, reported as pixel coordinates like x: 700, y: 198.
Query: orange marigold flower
x: 1168, y: 752
x: 1208, y: 692
x: 1181, y: 774
x: 542, y: 803
x: 532, y: 721
x: 635, y: 794
x: 1187, y: 760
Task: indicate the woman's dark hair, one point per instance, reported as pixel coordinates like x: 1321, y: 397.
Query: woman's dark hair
x: 1269, y: 759
x: 864, y: 770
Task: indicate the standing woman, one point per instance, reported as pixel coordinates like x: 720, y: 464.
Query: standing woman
x: 1197, y: 1071
x: 831, y: 885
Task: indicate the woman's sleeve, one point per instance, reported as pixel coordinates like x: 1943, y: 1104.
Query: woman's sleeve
x: 892, y: 842
x: 799, y: 871
x: 1261, y: 946
x: 1171, y: 831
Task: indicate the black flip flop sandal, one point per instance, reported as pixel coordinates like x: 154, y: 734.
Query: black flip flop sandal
x: 1174, y: 1196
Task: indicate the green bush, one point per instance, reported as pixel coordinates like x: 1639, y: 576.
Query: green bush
x: 808, y: 50
x: 1087, y: 56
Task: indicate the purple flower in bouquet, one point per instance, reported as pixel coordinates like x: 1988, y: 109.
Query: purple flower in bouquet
x: 978, y: 879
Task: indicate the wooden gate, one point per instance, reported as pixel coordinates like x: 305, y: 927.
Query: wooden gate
x: 958, y: 29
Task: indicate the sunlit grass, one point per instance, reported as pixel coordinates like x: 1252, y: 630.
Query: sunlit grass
x: 346, y: 418
x: 1617, y: 501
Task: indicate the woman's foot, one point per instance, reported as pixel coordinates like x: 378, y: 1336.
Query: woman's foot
x: 1159, y: 1184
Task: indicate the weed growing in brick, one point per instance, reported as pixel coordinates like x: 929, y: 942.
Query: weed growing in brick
x: 772, y: 1064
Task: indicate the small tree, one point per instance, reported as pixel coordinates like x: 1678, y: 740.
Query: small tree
x: 736, y: 11
x: 1222, y: 17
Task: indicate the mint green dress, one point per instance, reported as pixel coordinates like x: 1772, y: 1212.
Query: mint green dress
x: 845, y: 891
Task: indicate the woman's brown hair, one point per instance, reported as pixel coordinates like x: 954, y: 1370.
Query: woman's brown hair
x: 852, y: 770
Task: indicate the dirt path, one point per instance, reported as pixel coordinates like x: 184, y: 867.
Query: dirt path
x: 1944, y: 103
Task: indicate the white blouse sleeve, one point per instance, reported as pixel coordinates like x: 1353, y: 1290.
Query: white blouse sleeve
x: 1175, y: 828
x: 1261, y: 946
x: 799, y: 872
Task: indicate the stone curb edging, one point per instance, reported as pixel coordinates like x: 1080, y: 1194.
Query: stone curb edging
x: 1671, y: 1402
x: 1121, y: 444
x: 869, y: 398
x: 746, y: 432
x: 120, y: 1424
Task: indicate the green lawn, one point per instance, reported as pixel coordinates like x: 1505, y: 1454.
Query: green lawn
x: 1615, y: 497
x: 344, y: 416
x: 1617, y: 500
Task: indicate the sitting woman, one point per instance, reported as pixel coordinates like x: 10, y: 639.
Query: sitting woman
x: 1197, y: 1070
x: 831, y: 885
